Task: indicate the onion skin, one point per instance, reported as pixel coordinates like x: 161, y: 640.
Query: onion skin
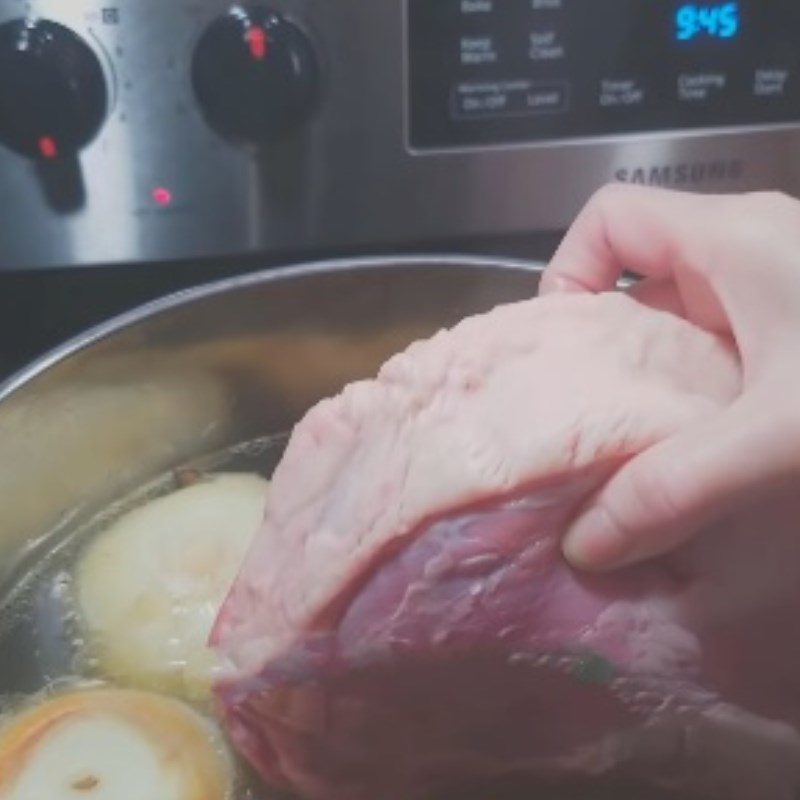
x: 185, y: 747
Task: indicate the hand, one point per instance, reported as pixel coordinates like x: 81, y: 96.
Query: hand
x: 730, y: 264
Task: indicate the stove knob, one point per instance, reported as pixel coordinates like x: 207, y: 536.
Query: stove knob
x: 255, y: 75
x: 53, y: 96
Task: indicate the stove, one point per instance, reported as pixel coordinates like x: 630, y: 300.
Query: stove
x: 149, y: 145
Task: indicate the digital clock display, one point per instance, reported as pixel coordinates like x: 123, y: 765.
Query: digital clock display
x: 715, y: 21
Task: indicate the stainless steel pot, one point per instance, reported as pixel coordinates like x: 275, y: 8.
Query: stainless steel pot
x: 209, y: 367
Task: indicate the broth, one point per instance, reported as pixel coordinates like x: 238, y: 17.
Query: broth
x: 42, y: 644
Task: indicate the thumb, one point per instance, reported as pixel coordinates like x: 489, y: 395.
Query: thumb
x: 664, y: 496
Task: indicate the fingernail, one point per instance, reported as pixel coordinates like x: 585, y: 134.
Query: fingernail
x: 558, y: 284
x: 554, y: 284
x: 594, y: 542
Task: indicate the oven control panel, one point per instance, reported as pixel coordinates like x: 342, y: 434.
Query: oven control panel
x: 135, y: 131
x: 487, y: 72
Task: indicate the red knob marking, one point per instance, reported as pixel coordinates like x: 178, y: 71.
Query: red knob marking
x: 47, y: 147
x: 161, y: 196
x: 256, y: 39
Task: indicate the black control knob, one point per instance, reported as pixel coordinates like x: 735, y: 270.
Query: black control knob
x: 53, y: 96
x: 255, y: 75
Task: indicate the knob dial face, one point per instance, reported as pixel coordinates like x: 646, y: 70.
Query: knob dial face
x: 53, y: 96
x: 255, y: 75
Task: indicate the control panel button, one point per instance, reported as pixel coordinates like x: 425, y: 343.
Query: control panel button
x: 701, y: 87
x: 477, y: 6
x: 507, y: 98
x: 53, y: 96
x: 771, y: 82
x: 255, y: 75
x: 621, y: 93
x: 476, y: 50
x: 545, y: 45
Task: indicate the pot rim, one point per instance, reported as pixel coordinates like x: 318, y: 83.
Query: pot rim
x: 119, y: 322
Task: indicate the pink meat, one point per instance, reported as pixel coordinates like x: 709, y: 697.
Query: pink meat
x: 405, y: 624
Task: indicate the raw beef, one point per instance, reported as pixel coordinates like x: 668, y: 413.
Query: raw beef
x: 405, y: 623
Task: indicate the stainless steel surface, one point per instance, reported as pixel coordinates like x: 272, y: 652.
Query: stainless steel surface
x: 208, y: 368
x: 347, y: 179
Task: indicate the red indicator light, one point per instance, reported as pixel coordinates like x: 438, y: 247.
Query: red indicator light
x: 47, y: 147
x: 256, y: 39
x: 161, y: 196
